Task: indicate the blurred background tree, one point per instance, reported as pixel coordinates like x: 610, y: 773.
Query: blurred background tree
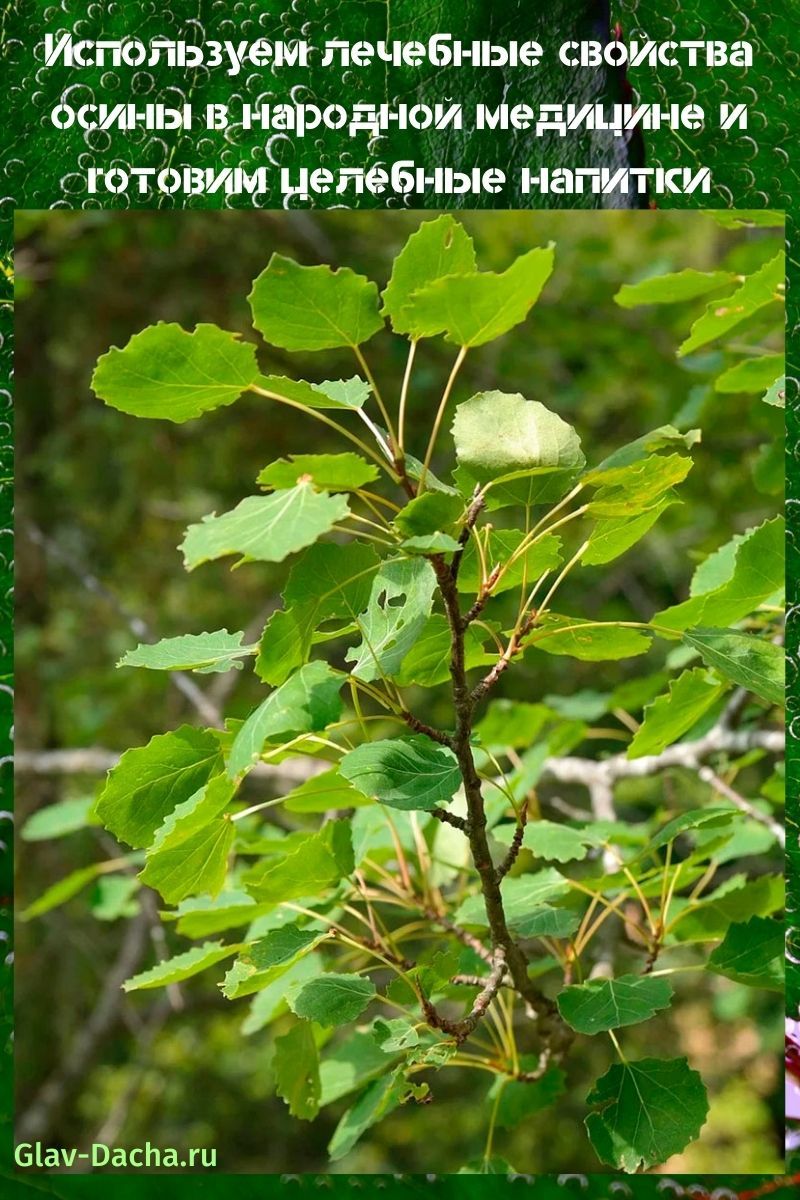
x: 103, y: 502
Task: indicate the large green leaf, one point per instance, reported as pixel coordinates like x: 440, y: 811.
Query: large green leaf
x: 318, y: 861
x: 612, y: 536
x: 665, y: 436
x: 189, y: 855
x: 645, y: 1112
x: 150, y: 781
x: 438, y: 248
x: 201, y: 652
x: 673, y: 288
x: 428, y: 661
x: 328, y: 472
x: 429, y: 513
x: 408, y: 773
x: 475, y: 308
x: 673, y: 714
x: 557, y: 634
x: 751, y: 662
x: 757, y: 574
x: 603, y: 1004
x: 400, y: 602
x: 752, y: 953
x: 633, y: 489
x: 333, y: 999
x: 264, y: 528
x: 181, y: 966
x: 166, y: 372
x: 313, y: 308
x: 307, y: 702
x: 723, y: 315
x: 295, y: 1066
x: 497, y: 433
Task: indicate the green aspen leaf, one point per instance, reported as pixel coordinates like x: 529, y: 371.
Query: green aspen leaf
x: 317, y: 862
x: 409, y: 773
x: 556, y: 842
x: 557, y: 634
x: 475, y: 308
x: 612, y: 536
x: 543, y: 555
x: 62, y: 890
x: 752, y: 953
x: 400, y: 602
x: 322, y: 793
x: 428, y: 661
x: 497, y: 433
x: 286, y: 642
x: 149, y: 782
x: 430, y: 543
x: 725, y: 314
x: 269, y: 1002
x: 688, y: 822
x: 313, y: 308
x: 380, y: 1098
x: 295, y: 1065
x: 182, y: 966
x: 328, y: 472
x: 189, y: 855
x: 645, y: 1111
x: 333, y: 999
x: 307, y: 702
x: 201, y: 652
x: 633, y: 489
x: 603, y: 1004
x: 547, y: 921
x: 752, y: 374
x: 776, y: 394
x: 648, y: 443
x: 333, y: 393
x: 201, y: 916
x: 165, y: 372
x: 517, y: 1101
x: 59, y: 819
x: 673, y: 714
x: 351, y: 1063
x: 748, y: 661
x: 758, y: 572
x: 395, y: 1034
x: 438, y: 248
x: 522, y: 895
x: 264, y: 528
x: 115, y: 897
x: 512, y: 723
x: 432, y: 512
x: 674, y: 288
x: 283, y: 946
x: 738, y: 899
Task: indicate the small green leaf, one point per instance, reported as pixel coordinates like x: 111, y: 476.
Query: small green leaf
x: 182, y: 966
x: 313, y: 308
x: 635, y: 488
x: 189, y: 855
x: 307, y: 702
x: 512, y: 723
x: 327, y: 472
x: 408, y: 773
x: 556, y: 842
x: 475, y: 308
x: 264, y: 528
x: 748, y: 661
x: 645, y: 1112
x: 648, y: 443
x: 752, y: 953
x: 696, y: 818
x: 776, y: 394
x: 758, y: 572
x: 333, y: 999
x: 201, y: 652
x: 395, y: 1034
x: 431, y: 512
x: 612, y: 536
x: 333, y: 393
x: 674, y: 288
x: 322, y: 793
x: 497, y: 433
x: 149, y: 782
x: 542, y: 555
x: 547, y: 921
x: 438, y: 248
x: 62, y: 890
x: 165, y: 372
x: 557, y: 634
x: 672, y: 715
x: 522, y: 895
x: 59, y: 819
x: 430, y: 543
x: 428, y: 661
x: 400, y: 603
x: 603, y: 1004
x: 295, y: 1066
x: 317, y: 862
x: 725, y: 314
x: 752, y: 374
x: 379, y: 1099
